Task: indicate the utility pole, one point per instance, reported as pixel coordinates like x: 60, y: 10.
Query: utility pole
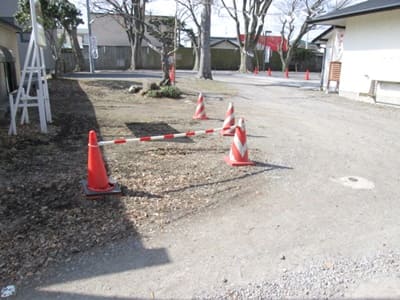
x: 205, y: 54
x: 91, y: 63
x: 175, y: 40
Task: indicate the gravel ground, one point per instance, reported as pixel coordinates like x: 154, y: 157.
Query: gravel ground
x: 319, y: 279
x: 44, y: 217
x: 335, y: 239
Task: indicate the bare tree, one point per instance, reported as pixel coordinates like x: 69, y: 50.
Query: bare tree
x: 190, y: 11
x: 294, y: 17
x: 253, y: 16
x: 162, y: 29
x: 57, y: 14
x: 130, y: 14
x: 205, y: 53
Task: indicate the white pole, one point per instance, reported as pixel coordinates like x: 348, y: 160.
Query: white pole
x: 91, y: 64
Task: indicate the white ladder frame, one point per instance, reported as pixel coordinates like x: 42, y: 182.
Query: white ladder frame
x: 34, y: 64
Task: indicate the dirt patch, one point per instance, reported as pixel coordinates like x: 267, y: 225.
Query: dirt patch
x: 44, y: 217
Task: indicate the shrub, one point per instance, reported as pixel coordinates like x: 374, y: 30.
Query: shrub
x: 165, y: 91
x: 154, y: 93
x: 171, y: 92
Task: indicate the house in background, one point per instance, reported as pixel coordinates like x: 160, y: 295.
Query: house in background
x: 362, y: 56
x: 9, y: 60
x: 113, y: 44
x: 8, y: 8
x: 224, y: 43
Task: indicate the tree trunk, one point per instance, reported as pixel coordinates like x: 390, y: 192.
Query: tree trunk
x: 132, y: 65
x: 243, y: 61
x: 55, y: 47
x: 196, y: 65
x: 55, y: 74
x: 284, y: 66
x: 286, y: 59
x: 165, y: 67
x: 135, y: 43
x: 138, y: 51
x: 76, y: 49
x: 246, y: 61
x: 205, y: 54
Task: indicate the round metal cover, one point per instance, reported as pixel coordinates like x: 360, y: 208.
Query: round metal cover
x: 355, y: 182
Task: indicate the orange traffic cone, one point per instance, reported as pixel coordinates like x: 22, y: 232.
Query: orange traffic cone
x: 286, y: 73
x: 200, y: 113
x: 238, y: 155
x: 172, y: 74
x: 228, y: 129
x: 97, y: 184
x: 269, y: 72
x: 307, y: 75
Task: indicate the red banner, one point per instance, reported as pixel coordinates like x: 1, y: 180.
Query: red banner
x: 273, y: 42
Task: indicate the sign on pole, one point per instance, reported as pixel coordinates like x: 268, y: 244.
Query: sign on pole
x: 38, y: 24
x: 93, y: 43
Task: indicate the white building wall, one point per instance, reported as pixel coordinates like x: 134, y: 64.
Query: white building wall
x: 371, y: 52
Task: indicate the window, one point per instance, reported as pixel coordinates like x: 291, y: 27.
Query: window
x: 25, y: 37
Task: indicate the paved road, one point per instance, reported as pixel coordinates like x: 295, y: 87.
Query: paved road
x: 335, y: 205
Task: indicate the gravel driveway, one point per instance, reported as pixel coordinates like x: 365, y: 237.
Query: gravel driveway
x: 320, y: 219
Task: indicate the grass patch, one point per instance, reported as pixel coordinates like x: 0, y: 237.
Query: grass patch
x: 190, y: 85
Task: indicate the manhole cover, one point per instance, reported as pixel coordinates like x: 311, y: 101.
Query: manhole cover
x: 355, y: 182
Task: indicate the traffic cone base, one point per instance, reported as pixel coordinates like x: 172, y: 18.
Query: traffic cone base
x: 113, y: 189
x: 238, y: 163
x: 202, y: 117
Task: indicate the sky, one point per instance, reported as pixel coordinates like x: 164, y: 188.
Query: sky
x: 221, y: 23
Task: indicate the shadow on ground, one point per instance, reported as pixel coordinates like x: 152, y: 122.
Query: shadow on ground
x: 44, y: 217
x: 265, y: 168
x: 111, y: 75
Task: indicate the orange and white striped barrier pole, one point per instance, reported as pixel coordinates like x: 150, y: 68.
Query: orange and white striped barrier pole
x: 164, y: 136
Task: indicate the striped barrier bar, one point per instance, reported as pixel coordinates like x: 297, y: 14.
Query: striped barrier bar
x: 165, y: 136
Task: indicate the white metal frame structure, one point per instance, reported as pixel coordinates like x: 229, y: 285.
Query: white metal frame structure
x: 33, y: 89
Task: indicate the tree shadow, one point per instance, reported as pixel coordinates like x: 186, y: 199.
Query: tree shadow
x: 266, y: 167
x: 112, y: 84
x: 215, y: 119
x: 136, y: 193
x: 110, y: 75
x: 75, y: 296
x: 256, y: 136
x: 44, y: 217
x: 142, y: 129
